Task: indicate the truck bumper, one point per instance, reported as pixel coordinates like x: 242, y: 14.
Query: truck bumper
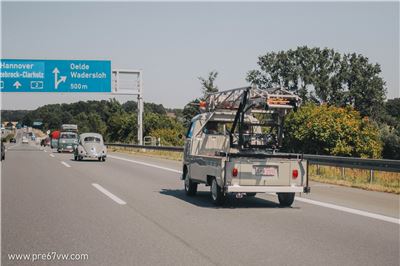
x: 266, y: 189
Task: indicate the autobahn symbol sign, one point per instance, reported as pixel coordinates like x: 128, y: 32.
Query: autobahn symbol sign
x: 25, y: 75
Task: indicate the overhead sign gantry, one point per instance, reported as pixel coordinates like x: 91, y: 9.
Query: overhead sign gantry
x: 65, y: 76
x: 20, y: 75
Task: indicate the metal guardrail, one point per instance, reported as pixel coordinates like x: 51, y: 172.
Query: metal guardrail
x: 160, y: 148
x: 352, y: 162
x: 337, y: 161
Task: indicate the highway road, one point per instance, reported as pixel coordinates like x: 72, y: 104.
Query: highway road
x: 132, y: 210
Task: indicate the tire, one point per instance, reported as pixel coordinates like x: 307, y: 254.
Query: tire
x: 217, y: 195
x: 99, y: 159
x: 190, y: 186
x: 286, y: 199
x: 251, y: 194
x: 104, y: 159
x: 75, y: 158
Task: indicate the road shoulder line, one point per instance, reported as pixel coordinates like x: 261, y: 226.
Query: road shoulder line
x: 350, y: 210
x: 146, y: 164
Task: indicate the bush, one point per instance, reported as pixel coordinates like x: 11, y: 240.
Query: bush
x: 168, y: 136
x: 331, y: 130
x: 391, y: 143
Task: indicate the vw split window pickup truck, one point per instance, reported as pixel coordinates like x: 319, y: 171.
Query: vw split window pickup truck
x: 233, y: 146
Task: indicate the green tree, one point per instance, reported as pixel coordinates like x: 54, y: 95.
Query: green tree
x: 324, y: 76
x: 95, y: 124
x: 169, y: 136
x: 392, y: 107
x: 207, y: 84
x: 122, y: 128
x: 391, y: 142
x: 192, y: 108
x: 332, y: 131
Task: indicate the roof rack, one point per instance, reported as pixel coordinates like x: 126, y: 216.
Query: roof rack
x: 260, y: 100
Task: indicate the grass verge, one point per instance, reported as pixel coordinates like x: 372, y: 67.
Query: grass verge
x: 176, y: 156
x: 359, y: 178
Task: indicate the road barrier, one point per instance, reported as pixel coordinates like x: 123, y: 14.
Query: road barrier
x: 336, y: 161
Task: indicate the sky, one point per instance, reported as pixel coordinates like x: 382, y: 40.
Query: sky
x: 175, y: 43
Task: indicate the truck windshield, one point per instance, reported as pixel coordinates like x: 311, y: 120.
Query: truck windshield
x: 68, y: 136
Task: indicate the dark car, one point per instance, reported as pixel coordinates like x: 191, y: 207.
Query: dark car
x: 13, y: 140
x: 45, y: 142
x: 3, y: 151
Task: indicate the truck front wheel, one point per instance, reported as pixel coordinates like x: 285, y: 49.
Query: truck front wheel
x: 217, y: 195
x: 190, y: 186
x: 286, y: 199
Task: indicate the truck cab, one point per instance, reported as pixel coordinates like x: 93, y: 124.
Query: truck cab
x: 233, y: 147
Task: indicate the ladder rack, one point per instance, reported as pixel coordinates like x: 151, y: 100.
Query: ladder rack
x: 260, y: 100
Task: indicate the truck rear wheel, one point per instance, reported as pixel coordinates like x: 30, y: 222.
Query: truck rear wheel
x: 286, y: 199
x: 217, y: 195
x: 190, y: 186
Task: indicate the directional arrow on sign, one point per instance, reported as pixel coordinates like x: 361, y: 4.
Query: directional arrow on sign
x: 56, y: 80
x: 17, y: 84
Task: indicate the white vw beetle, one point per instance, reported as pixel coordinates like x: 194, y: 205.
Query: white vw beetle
x: 90, y: 145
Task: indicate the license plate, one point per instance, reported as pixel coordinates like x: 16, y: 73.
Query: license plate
x: 265, y: 171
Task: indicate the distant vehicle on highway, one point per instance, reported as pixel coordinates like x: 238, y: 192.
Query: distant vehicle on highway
x: 68, y: 139
x: 13, y: 140
x: 54, y: 136
x: 91, y: 145
x: 3, y: 151
x: 25, y: 140
x: 45, y: 142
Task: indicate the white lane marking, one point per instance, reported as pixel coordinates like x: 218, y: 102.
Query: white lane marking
x: 65, y: 164
x: 350, y: 210
x: 146, y: 164
x: 109, y: 194
x: 52, y: 155
x: 44, y: 150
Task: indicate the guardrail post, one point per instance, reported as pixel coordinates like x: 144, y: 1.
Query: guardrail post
x: 343, y: 172
x: 371, y: 176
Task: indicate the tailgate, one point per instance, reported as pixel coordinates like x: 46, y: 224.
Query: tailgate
x: 270, y: 172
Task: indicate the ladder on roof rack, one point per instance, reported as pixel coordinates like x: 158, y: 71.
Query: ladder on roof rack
x: 259, y: 99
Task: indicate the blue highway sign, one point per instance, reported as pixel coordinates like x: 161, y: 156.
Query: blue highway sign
x: 25, y: 75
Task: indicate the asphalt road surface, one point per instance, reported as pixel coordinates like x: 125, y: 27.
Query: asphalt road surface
x: 132, y: 210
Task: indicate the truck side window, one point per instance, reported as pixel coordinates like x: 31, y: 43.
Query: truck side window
x: 190, y: 131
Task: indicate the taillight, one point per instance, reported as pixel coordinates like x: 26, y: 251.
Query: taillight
x: 235, y: 172
x: 295, y: 174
